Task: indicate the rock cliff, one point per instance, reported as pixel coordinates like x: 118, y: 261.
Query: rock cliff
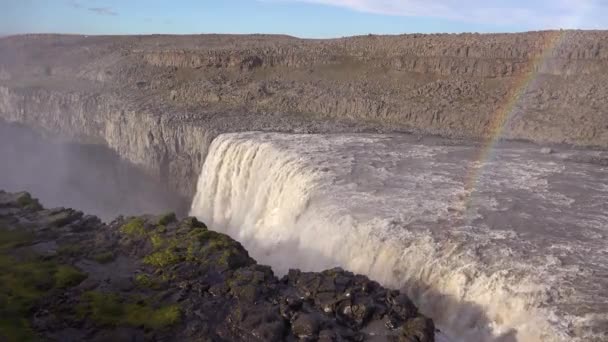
x: 159, y: 100
x: 66, y: 276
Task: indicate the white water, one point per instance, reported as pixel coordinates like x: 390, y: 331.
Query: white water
x: 392, y: 209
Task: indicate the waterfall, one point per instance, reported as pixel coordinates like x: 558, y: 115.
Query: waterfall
x: 303, y: 201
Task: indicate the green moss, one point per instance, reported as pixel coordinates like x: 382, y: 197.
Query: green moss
x: 61, y: 218
x: 67, y: 276
x: 109, y: 309
x: 25, y: 282
x: 103, y: 308
x: 144, y: 281
x: 143, y: 315
x: 213, y: 239
x: 165, y: 277
x: 162, y: 258
x: 225, y: 257
x: 204, y: 243
x: 70, y: 250
x: 22, y: 284
x: 25, y: 200
x: 134, y: 228
x: 193, y: 223
x: 157, y: 241
x: 104, y: 257
x: 16, y: 329
x: 191, y: 252
x: 166, y: 219
x: 14, y: 238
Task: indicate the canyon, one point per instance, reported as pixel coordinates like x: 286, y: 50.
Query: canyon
x: 456, y: 120
x: 159, y: 101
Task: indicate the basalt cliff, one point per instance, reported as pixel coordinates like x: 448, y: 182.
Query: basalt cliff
x: 66, y: 276
x: 158, y: 101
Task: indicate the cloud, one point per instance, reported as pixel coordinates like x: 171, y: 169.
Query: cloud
x: 97, y: 10
x: 102, y: 10
x: 75, y: 4
x: 524, y: 13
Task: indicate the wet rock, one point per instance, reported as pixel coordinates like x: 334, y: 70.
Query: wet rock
x: 327, y: 336
x: 419, y: 329
x: 260, y: 321
x: 306, y: 326
x: 401, y: 306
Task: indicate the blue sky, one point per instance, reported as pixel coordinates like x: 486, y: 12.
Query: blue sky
x: 303, y: 18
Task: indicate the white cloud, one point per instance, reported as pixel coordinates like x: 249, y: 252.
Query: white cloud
x: 97, y: 10
x: 522, y: 13
x: 102, y: 10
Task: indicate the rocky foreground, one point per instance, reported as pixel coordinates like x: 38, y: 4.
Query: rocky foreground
x: 66, y: 276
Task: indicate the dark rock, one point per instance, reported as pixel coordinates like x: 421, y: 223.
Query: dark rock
x: 180, y: 281
x: 122, y: 284
x: 306, y: 326
x: 120, y: 335
x: 260, y: 321
x: 401, y: 306
x: 327, y: 336
x: 419, y: 329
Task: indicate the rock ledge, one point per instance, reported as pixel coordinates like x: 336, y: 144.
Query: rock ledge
x: 69, y: 277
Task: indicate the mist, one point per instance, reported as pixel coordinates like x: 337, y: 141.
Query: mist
x: 90, y: 178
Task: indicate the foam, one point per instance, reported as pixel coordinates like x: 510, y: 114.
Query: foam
x: 392, y: 210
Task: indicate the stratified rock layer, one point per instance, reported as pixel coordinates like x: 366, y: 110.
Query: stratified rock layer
x: 69, y: 277
x: 160, y: 100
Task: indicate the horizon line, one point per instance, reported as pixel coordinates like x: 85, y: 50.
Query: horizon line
x: 24, y: 34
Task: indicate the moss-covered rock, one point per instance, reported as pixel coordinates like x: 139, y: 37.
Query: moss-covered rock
x: 134, y: 228
x: 167, y: 218
x: 67, y: 276
x: 190, y: 223
x: 163, y: 258
x: 24, y: 283
x: 104, y: 257
x: 173, y: 281
x: 71, y: 250
x: 25, y: 200
x: 110, y: 309
x: 157, y: 241
x: 144, y: 281
x: 11, y: 238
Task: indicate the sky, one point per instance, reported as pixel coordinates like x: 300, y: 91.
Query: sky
x: 302, y: 18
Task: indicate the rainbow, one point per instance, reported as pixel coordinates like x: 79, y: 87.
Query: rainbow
x: 502, y: 116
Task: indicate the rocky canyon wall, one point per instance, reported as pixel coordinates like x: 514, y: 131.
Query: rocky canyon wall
x: 160, y: 100
x: 166, y: 150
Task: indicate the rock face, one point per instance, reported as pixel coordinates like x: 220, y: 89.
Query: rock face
x: 68, y: 277
x: 160, y: 100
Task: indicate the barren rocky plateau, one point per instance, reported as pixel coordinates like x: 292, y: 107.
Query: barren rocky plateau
x: 159, y: 100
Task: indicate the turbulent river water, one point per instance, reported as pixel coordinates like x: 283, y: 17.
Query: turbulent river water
x: 519, y: 256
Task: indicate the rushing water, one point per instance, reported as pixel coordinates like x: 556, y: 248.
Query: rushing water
x: 521, y: 257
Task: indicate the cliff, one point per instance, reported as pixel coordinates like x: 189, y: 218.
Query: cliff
x: 70, y: 277
x: 160, y: 100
